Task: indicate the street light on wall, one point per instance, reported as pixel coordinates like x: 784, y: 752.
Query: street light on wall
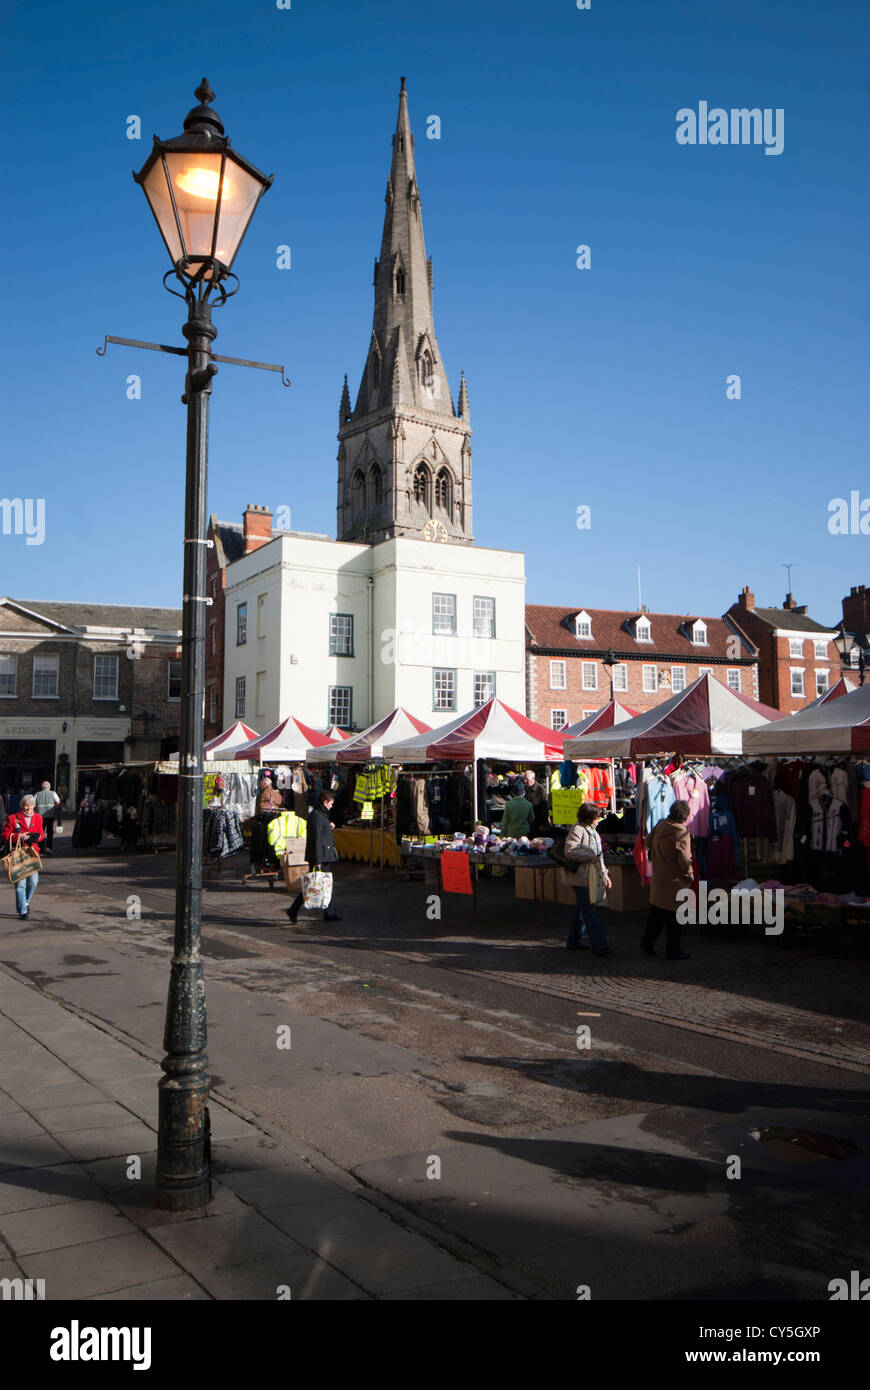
x: 203, y: 196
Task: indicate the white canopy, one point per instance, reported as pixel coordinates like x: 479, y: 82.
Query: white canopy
x: 289, y: 742
x: 837, y: 726
x: 225, y: 745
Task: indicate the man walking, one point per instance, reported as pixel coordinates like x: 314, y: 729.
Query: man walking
x: 47, y: 803
x: 320, y: 851
x: 670, y: 851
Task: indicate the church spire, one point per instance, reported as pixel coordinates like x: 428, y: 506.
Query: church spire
x: 403, y: 329
x: 405, y: 452
x: 462, y: 410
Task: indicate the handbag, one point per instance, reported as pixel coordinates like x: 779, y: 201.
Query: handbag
x: 317, y: 889
x: 21, y: 861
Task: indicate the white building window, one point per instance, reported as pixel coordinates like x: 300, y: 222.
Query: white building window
x: 558, y: 675
x: 484, y: 617
x: 643, y: 630
x: 797, y: 680
x: 855, y: 657
x: 443, y: 689
x: 678, y: 679
x: 444, y: 615
x: 822, y: 682
x: 105, y: 678
x: 583, y: 625
x: 484, y: 687
x: 706, y: 671
x: 8, y: 676
x: 241, y: 624
x: 341, y: 634
x: 558, y: 718
x: 586, y: 713
x: 173, y: 680
x: 212, y: 703
x: 795, y: 646
x: 620, y: 677
x: 341, y: 705
x: 650, y: 679
x: 820, y: 650
x: 240, y: 697
x: 699, y: 634
x: 590, y: 675
x: 734, y: 680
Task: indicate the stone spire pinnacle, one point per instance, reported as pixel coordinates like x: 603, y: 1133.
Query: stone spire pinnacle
x: 462, y: 410
x: 344, y: 411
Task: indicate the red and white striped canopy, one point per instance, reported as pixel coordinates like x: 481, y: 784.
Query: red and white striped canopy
x: 227, y: 743
x: 836, y: 692
x: 288, y: 742
x: 613, y: 713
x: 706, y: 717
x: 370, y: 742
x: 334, y: 732
x: 493, y: 731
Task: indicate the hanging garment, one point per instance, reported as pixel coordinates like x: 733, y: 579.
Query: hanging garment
x: 688, y: 786
x: 786, y: 817
x: 659, y: 799
x: 754, y: 812
x: 817, y: 784
x: 830, y: 821
x: 864, y: 831
x: 567, y: 774
x: 419, y: 804
x: 286, y: 826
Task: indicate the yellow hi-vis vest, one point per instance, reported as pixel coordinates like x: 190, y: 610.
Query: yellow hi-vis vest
x: 284, y: 827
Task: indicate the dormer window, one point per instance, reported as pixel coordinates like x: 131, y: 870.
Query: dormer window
x: 643, y: 630
x: 699, y: 634
x: 583, y: 625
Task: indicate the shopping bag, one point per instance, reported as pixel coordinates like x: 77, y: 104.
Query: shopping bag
x: 597, y: 888
x: 21, y: 862
x: 317, y: 889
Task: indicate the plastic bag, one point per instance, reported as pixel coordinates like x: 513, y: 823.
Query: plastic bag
x: 317, y: 889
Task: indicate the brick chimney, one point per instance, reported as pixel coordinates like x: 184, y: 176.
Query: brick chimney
x: 257, y: 523
x: 789, y: 601
x: 746, y: 599
x: 856, y: 609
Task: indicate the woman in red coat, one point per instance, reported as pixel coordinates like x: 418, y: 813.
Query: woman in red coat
x: 28, y: 825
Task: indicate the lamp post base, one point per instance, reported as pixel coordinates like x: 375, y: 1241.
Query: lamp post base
x: 184, y: 1144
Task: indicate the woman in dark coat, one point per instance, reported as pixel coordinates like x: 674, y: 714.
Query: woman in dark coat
x: 320, y: 852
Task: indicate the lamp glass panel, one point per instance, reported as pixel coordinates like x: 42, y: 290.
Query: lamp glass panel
x: 195, y: 180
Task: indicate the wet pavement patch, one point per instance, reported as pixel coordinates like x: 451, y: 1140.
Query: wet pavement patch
x: 804, y: 1145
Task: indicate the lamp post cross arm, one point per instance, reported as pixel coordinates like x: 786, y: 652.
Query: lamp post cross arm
x: 182, y: 352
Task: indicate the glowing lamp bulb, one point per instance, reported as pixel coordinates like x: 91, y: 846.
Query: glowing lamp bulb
x: 202, y: 183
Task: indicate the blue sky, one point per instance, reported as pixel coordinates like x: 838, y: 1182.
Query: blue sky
x: 603, y: 387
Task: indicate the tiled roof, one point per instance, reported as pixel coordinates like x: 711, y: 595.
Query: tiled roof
x: 788, y: 618
x: 104, y: 614
x: 232, y: 539
x: 553, y: 628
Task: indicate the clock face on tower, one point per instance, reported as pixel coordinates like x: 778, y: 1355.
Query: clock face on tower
x: 434, y: 531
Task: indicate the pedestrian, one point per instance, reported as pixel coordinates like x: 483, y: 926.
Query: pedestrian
x: 536, y: 793
x: 47, y: 803
x: 583, y: 846
x: 270, y: 799
x: 24, y: 827
x: 670, y: 851
x: 518, y: 817
x: 320, y: 851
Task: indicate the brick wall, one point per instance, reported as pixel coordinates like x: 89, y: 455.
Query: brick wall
x: 543, y: 700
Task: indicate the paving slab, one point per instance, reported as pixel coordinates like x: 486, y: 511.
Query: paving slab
x: 25, y: 1189
x: 476, y: 1289
x: 70, y: 1223
x: 281, y: 1187
x: 107, y: 1142
x: 373, y: 1251
x: 223, y: 1241
x: 99, y: 1266
x: 180, y: 1289
x: 31, y: 1152
x: 307, y: 1278
x: 90, y: 1115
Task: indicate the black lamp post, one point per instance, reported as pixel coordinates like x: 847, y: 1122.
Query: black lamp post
x: 609, y: 660
x: 203, y: 196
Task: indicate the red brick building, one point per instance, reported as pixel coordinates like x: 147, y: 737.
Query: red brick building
x: 656, y: 655
x: 854, y: 635
x: 797, y: 658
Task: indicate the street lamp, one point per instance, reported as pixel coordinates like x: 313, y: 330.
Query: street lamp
x: 609, y: 660
x: 203, y: 196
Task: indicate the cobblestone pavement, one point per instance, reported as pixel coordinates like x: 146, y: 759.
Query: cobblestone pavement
x: 749, y: 990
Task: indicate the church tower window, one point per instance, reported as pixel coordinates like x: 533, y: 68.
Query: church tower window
x: 421, y: 486
x: 358, y: 494
x: 443, y: 490
x: 376, y: 485
x: 400, y: 280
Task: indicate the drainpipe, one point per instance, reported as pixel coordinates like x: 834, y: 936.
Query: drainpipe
x: 370, y: 589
